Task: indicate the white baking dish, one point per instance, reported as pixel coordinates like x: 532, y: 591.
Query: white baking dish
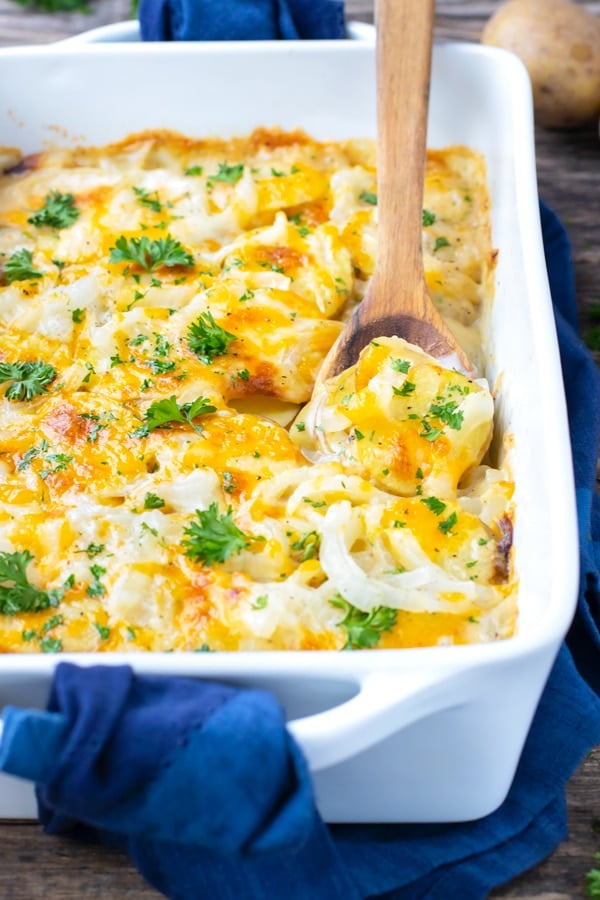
x: 395, y: 735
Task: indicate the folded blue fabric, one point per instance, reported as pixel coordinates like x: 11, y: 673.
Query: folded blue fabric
x: 240, y: 20
x: 203, y: 787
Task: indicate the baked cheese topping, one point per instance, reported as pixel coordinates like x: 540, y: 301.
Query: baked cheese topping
x: 167, y: 479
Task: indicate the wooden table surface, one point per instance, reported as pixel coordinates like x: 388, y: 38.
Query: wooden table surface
x: 35, y: 866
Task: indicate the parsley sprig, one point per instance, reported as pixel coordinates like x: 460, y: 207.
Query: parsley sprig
x: 593, y: 879
x: 29, y: 379
x: 163, y: 413
x: 17, y: 594
x: 213, y: 536
x: 19, y: 267
x: 58, y: 211
x: 227, y: 174
x: 207, y: 339
x: 364, y: 629
x: 149, y: 199
x: 150, y: 254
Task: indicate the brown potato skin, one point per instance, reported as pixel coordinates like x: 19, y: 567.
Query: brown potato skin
x: 559, y: 43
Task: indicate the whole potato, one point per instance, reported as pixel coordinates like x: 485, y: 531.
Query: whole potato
x: 559, y: 43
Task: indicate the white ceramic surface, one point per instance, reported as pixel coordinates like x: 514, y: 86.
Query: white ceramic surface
x: 398, y: 735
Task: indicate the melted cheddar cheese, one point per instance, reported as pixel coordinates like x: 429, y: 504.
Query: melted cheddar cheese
x: 167, y: 479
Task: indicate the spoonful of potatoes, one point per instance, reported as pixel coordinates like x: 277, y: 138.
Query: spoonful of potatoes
x: 396, y: 301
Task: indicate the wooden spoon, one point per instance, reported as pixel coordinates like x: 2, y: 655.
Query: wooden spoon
x: 396, y: 301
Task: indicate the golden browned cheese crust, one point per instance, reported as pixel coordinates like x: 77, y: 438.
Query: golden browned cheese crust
x: 167, y: 479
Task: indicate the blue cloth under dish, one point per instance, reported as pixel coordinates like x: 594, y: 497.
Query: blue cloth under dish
x: 203, y: 787
x: 240, y: 20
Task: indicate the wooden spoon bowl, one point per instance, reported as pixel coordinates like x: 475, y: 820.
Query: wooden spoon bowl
x: 396, y: 301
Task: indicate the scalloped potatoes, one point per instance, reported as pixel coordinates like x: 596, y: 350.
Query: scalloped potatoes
x: 165, y: 306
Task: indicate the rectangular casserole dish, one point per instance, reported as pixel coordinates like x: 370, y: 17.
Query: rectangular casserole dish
x: 415, y: 735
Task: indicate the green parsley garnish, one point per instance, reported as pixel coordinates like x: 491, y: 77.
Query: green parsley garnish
x: 58, y: 462
x: 214, y: 537
x: 308, y: 544
x: 51, y: 645
x: 78, y: 315
x: 153, y: 501
x: 407, y: 388
x: 400, y: 365
x: 227, y: 174
x: 449, y: 523
x: 58, y: 211
x: 150, y: 254
x: 148, y: 199
x: 207, y: 339
x: 364, y: 629
x: 95, y: 588
x: 593, y: 879
x: 428, y: 218
x: 19, y: 267
x: 29, y: 379
x: 429, y: 433
x: 368, y: 197
x: 17, y: 594
x: 193, y: 170
x: 92, y: 550
x: 103, y: 631
x: 51, y: 623
x: 260, y: 602
x: 448, y: 413
x: 440, y: 242
x: 163, y: 413
x: 436, y: 506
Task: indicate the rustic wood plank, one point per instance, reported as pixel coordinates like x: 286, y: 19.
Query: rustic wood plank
x: 36, y: 866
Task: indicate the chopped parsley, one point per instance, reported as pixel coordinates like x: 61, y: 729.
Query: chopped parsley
x: 148, y: 199
x: 428, y: 218
x: 407, y: 388
x: 448, y: 524
x: 17, y: 594
x: 150, y: 254
x: 58, y: 211
x: 400, y: 365
x: 436, y: 506
x: 78, y: 315
x: 29, y: 379
x: 93, y: 550
x: 308, y: 545
x: 163, y: 413
x: 260, y: 602
x: 439, y: 243
x: 95, y: 588
x: 51, y: 645
x: 57, y: 462
x: 193, y: 170
x: 593, y: 878
x: 103, y: 631
x: 213, y: 536
x: 448, y: 413
x: 51, y: 623
x: 207, y: 339
x: 364, y: 629
x: 368, y: 197
x: 228, y: 174
x: 153, y: 501
x: 19, y: 267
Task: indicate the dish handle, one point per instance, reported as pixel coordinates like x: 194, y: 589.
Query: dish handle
x: 385, y: 704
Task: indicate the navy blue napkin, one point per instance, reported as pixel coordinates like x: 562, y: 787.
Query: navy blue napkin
x: 240, y: 20
x: 203, y: 787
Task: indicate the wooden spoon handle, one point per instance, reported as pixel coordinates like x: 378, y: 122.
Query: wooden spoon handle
x: 404, y: 33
